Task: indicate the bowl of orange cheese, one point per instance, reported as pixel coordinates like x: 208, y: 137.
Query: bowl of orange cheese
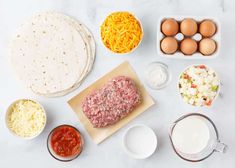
x: 121, y: 32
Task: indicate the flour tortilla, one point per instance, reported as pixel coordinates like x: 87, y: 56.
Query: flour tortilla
x: 90, y: 45
x: 91, y: 42
x: 54, y: 54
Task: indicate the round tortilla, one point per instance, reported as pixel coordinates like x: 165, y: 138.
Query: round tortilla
x: 89, y: 40
x: 54, y: 54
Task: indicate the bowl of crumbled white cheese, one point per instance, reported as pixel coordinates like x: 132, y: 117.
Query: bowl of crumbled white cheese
x: 25, y: 118
x: 199, y: 85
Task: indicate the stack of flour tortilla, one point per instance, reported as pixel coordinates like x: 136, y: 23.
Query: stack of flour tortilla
x: 52, y: 53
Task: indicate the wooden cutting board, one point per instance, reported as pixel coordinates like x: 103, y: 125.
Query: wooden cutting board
x: 100, y: 134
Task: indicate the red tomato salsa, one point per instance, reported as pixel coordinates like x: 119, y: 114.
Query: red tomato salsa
x: 66, y: 141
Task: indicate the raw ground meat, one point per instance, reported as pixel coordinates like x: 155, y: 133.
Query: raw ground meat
x: 112, y: 102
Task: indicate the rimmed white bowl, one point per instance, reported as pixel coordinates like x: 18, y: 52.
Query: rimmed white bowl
x: 133, y: 48
x: 9, y: 111
x: 139, y: 141
x: 218, y: 91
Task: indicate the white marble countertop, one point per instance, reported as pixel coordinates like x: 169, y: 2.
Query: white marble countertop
x: 33, y: 153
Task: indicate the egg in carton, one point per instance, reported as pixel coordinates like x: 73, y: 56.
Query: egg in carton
x: 188, y: 37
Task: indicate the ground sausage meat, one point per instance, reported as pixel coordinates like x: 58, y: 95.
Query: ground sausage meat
x: 114, y: 101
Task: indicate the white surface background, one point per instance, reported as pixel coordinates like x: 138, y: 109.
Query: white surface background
x: 19, y: 153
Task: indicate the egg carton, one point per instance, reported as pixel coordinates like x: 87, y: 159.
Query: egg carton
x: 197, y: 55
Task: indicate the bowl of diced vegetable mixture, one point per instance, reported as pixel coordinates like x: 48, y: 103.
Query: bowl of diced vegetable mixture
x: 199, y: 85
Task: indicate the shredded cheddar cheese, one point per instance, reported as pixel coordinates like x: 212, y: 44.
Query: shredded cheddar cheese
x: 121, y: 32
x: 26, y: 118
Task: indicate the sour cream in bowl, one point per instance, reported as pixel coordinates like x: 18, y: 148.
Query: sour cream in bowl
x: 199, y: 85
x: 139, y: 141
x: 157, y: 75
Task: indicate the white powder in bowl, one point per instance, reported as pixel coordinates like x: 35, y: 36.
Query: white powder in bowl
x: 157, y: 75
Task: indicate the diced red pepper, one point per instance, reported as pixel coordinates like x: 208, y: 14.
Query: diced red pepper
x: 202, y: 66
x: 209, y: 103
x: 193, y: 86
x: 186, y: 76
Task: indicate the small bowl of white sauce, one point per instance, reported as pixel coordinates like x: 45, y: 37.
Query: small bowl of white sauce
x: 157, y: 75
x: 139, y: 141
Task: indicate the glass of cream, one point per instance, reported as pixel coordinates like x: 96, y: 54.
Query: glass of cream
x: 157, y: 75
x: 194, y: 137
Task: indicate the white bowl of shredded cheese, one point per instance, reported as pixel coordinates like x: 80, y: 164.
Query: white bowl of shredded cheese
x: 25, y: 118
x: 118, y: 38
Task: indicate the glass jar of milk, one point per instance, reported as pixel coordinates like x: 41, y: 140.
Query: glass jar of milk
x: 194, y: 137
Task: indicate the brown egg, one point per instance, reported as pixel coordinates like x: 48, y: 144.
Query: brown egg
x: 170, y: 27
x: 207, y: 46
x: 207, y: 28
x: 188, y: 46
x: 169, y: 45
x: 188, y: 27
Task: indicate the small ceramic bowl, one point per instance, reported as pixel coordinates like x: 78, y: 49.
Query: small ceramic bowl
x: 217, y: 93
x: 9, y: 111
x: 139, y: 141
x: 133, y: 48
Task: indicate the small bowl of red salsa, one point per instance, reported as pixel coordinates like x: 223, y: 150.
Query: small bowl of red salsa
x: 65, y: 143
